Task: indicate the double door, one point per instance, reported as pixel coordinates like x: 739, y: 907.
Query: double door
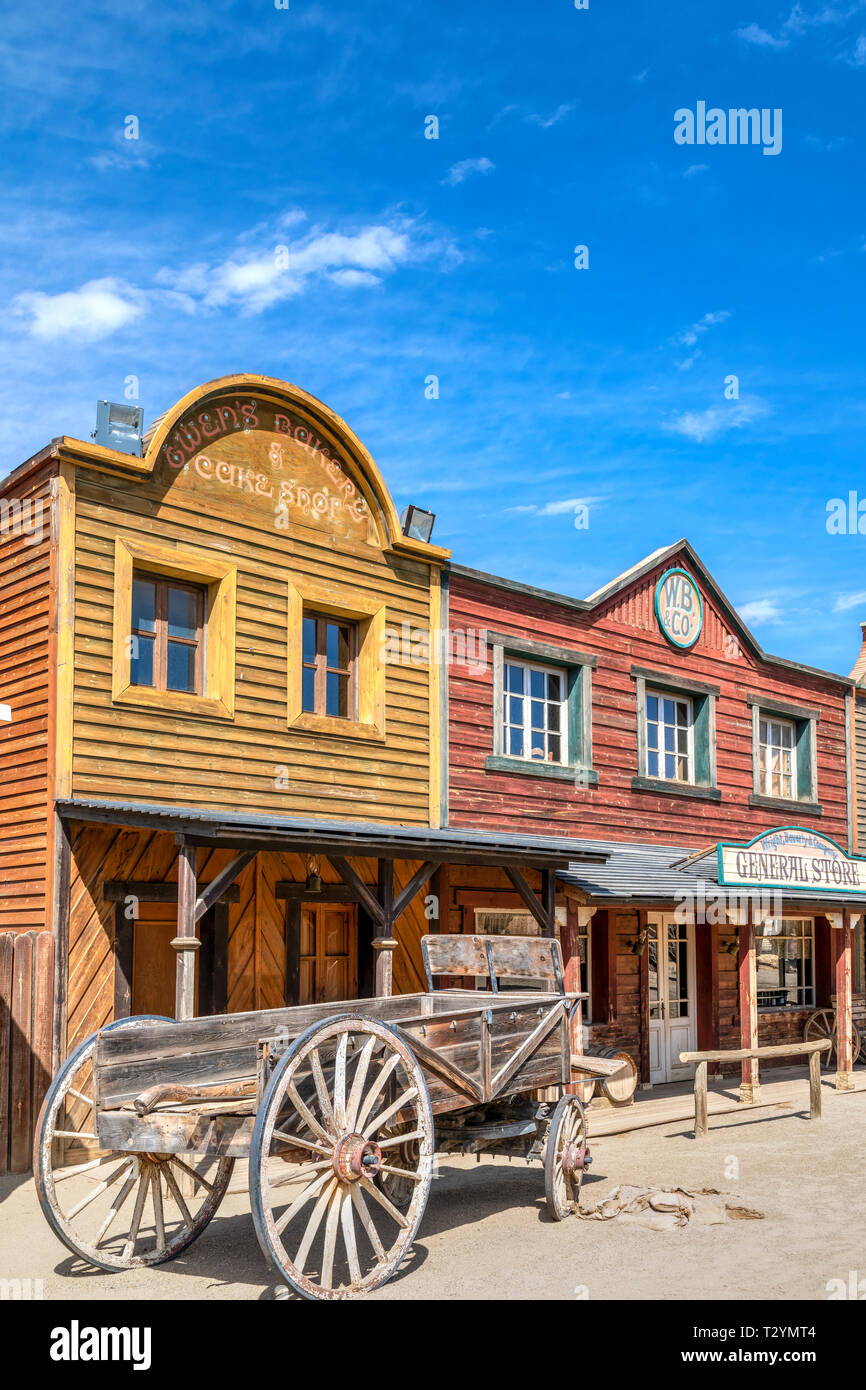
x: 672, y: 1011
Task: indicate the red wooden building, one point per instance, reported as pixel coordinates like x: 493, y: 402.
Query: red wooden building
x: 647, y: 724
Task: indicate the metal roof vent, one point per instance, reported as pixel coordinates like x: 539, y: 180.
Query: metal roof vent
x: 119, y: 427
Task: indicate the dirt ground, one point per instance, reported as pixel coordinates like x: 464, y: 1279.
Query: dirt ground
x: 486, y: 1233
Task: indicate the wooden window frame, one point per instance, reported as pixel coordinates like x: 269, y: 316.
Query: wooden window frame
x: 528, y: 667
x: 805, y: 755
x: 702, y: 734
x: 806, y: 935
x: 661, y: 695
x: 218, y: 579
x: 342, y: 604
x: 160, y: 637
x: 322, y: 669
x: 575, y: 668
x: 765, y: 748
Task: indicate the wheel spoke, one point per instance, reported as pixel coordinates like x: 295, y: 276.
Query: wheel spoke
x: 144, y: 1184
x: 92, y: 1196
x: 179, y: 1163
x: 74, y: 1134
x: 307, y: 1115
x: 296, y: 1141
x: 359, y: 1079
x: 314, y: 1223
x: 121, y: 1198
x: 322, y: 1088
x: 158, y: 1211
x: 383, y: 1202
x: 331, y: 1237
x: 77, y: 1168
x: 366, y: 1220
x: 347, y: 1221
x: 340, y: 1082
x: 401, y: 1173
x: 399, y: 1139
x: 385, y: 1115
x: 171, y: 1184
x: 79, y: 1095
x: 376, y: 1090
x: 310, y: 1191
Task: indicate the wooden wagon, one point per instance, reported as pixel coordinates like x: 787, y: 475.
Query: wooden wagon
x: 339, y: 1109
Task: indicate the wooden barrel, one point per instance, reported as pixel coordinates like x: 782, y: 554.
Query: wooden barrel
x: 619, y: 1089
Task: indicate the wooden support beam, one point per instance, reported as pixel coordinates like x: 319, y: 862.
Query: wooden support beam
x: 529, y: 899
x: 124, y: 927
x: 224, y: 879
x: 358, y: 886
x: 117, y: 890
x: 570, y: 943
x: 384, y: 941
x: 186, y: 943
x: 418, y: 879
x: 548, y: 900
x: 844, y: 1054
x: 747, y: 967
x: 61, y: 908
x: 643, y: 989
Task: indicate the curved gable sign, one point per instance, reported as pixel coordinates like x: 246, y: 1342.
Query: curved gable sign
x: 679, y: 608
x: 792, y: 857
x: 267, y: 455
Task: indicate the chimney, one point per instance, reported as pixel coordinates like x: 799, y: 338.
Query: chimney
x: 859, y: 672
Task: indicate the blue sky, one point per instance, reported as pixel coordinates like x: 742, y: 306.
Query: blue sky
x: 409, y: 257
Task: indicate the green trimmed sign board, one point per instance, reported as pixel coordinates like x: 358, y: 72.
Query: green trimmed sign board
x: 679, y: 609
x: 792, y: 857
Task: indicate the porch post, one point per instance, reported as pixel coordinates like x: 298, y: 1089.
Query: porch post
x: 749, y: 1087
x: 844, y: 1059
x: 575, y: 917
x: 186, y: 943
x: 384, y: 941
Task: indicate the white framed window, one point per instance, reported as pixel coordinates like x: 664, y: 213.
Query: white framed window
x: 534, y: 712
x: 491, y: 921
x: 777, y: 739
x: 669, y: 737
x: 785, y: 951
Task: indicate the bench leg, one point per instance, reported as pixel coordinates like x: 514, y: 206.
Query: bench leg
x: 701, y: 1100
x: 814, y: 1085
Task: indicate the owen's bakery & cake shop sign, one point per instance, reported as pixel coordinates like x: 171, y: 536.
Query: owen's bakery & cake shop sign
x: 792, y: 858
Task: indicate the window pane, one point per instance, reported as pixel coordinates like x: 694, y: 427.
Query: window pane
x: 668, y: 711
x: 537, y: 715
x: 652, y: 735
x: 536, y: 684
x: 515, y: 743
x: 144, y: 608
x: 553, y: 716
x: 652, y: 707
x: 515, y: 678
x: 652, y: 764
x: 554, y: 687
x: 308, y: 690
x: 309, y: 642
x: 669, y: 739
x: 182, y: 614
x: 338, y: 646
x: 180, y: 667
x: 515, y: 709
x: 553, y: 749
x: 337, y: 695
x: 141, y: 663
x: 538, y: 744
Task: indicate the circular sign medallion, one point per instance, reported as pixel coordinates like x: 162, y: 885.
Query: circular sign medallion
x: 679, y: 609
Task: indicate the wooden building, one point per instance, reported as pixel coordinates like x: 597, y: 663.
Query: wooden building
x: 262, y: 740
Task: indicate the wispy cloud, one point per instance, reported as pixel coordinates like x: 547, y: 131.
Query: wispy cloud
x: 460, y: 171
x: 759, y: 611
x: 695, y: 169
x: 94, y: 311
x: 753, y: 33
x: 703, y: 425
x: 565, y: 109
x: 560, y: 507
x: 844, y: 602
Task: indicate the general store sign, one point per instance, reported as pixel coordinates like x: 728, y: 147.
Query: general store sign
x: 792, y: 858
x: 679, y: 610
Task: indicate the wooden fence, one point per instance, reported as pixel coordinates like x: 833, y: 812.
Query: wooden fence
x: 26, y: 1002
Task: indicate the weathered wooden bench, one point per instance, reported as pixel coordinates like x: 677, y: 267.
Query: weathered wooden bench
x: 742, y: 1054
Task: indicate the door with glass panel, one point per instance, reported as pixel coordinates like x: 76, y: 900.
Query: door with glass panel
x: 328, y: 953
x: 672, y: 1014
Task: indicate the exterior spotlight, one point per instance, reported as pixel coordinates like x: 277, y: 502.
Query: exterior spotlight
x: 119, y: 427
x: 417, y: 524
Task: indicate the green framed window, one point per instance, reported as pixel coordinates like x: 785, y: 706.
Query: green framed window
x: 542, y: 710
x: 784, y: 762
x: 676, y: 734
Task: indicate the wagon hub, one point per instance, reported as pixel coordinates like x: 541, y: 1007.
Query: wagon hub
x: 356, y: 1157
x: 576, y: 1158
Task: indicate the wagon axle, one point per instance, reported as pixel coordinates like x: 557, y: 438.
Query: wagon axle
x: 354, y: 1157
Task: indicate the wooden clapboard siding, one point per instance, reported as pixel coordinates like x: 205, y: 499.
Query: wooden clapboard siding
x: 26, y: 998
x: 620, y: 634
x: 859, y: 772
x: 25, y: 662
x: 151, y: 755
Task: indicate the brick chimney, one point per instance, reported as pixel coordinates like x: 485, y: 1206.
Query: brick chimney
x: 859, y: 672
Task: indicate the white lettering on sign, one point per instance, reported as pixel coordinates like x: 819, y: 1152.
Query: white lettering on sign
x: 678, y: 607
x: 792, y: 858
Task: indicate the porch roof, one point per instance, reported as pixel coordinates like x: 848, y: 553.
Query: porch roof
x: 247, y: 830
x: 648, y: 874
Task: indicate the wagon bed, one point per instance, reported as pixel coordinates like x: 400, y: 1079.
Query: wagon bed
x: 334, y: 1106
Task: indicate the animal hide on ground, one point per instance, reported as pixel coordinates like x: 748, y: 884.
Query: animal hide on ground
x: 664, y: 1208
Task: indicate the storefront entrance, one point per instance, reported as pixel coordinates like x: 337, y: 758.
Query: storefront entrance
x: 672, y: 1009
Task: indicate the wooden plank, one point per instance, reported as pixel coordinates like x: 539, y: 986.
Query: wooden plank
x: 20, y: 1078
x: 359, y: 888
x: 43, y: 1016
x: 747, y: 971
x: 417, y: 881
x: 7, y: 947
x: 186, y: 904
x: 844, y: 1061
x: 214, y: 890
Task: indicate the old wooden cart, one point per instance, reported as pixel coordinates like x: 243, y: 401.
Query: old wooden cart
x: 333, y: 1105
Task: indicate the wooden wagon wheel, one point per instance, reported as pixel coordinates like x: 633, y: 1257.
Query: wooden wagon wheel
x: 822, y: 1024
x: 345, y: 1096
x: 566, y: 1157
x: 116, y: 1209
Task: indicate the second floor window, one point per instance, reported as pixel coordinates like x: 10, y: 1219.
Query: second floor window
x: 776, y: 757
x: 328, y: 672
x: 534, y: 713
x: 669, y: 746
x: 167, y: 634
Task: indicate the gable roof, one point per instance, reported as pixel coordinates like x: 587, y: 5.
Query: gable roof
x: 681, y: 550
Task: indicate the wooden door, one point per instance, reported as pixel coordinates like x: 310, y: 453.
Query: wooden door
x: 154, y: 960
x: 672, y: 1011
x: 328, y: 953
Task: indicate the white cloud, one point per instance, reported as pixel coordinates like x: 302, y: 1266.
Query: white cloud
x: 561, y: 507
x: 701, y: 425
x: 858, y: 57
x: 94, y: 311
x: 464, y: 167
x: 695, y: 169
x: 559, y: 114
x: 753, y: 33
x: 690, y: 335
x: 760, y: 610
x: 846, y: 601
